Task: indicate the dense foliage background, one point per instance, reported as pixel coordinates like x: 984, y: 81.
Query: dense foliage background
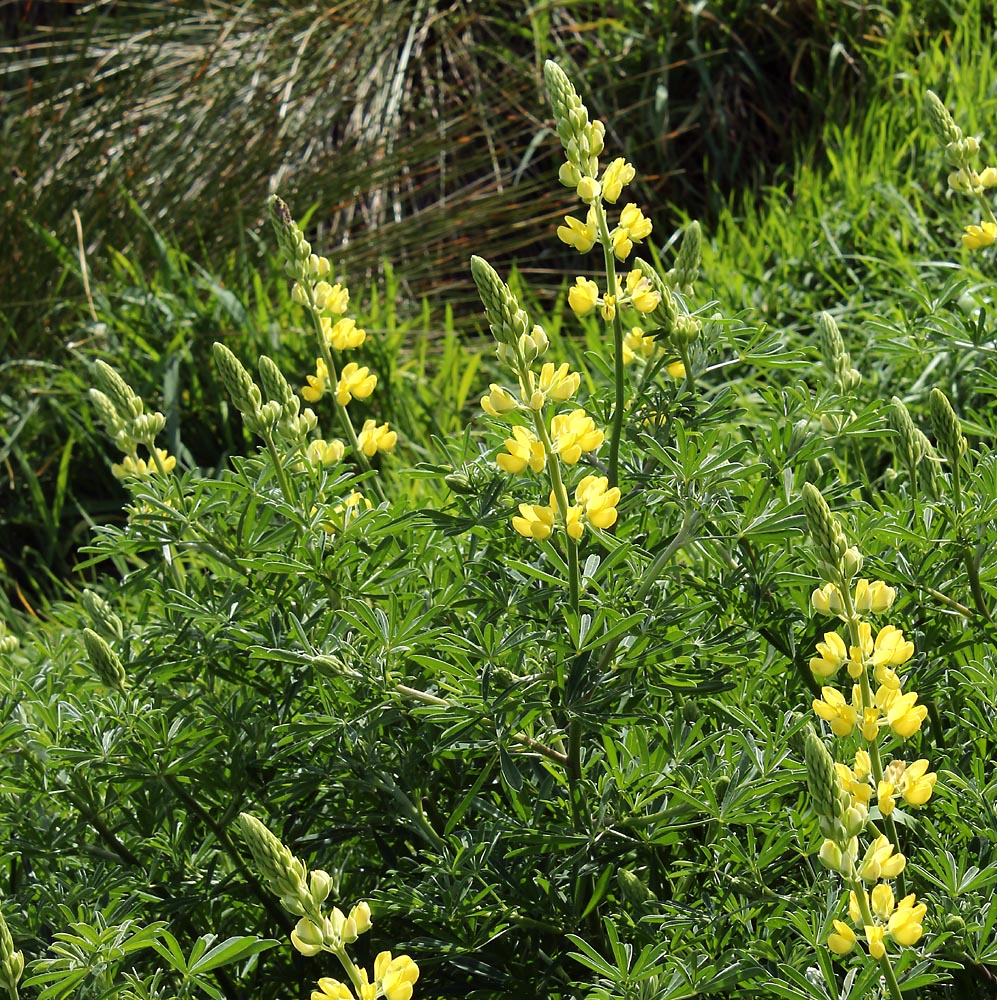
x: 276, y: 676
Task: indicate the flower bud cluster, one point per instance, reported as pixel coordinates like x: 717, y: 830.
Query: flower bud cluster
x: 836, y: 359
x: 11, y: 962
x: 125, y: 421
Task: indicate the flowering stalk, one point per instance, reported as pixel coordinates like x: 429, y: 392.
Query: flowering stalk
x: 556, y: 441
x: 841, y: 794
x: 322, y: 302
x: 961, y: 152
x: 303, y: 894
x: 646, y: 293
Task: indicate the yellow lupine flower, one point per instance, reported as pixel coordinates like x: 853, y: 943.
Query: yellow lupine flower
x: 307, y: 937
x: 642, y: 296
x: 534, y: 521
x: 578, y: 234
x: 331, y: 989
x: 988, y: 177
x: 617, y: 175
x: 583, y: 296
x: 342, y: 335
x: 891, y: 648
x: 599, y: 501
x: 574, y: 433
x: 321, y: 452
x: 317, y: 383
x: 827, y: 600
x: 978, y: 237
x: 881, y: 862
x: 331, y: 298
x: 831, y: 653
x: 499, y: 401
x: 637, y: 344
x: 902, y: 716
x: 522, y: 449
x: 355, y: 382
x: 633, y: 227
x: 905, y: 924
x: 588, y: 189
x: 917, y: 783
x: 835, y: 711
x: 395, y: 977
x: 872, y: 598
x: 841, y: 941
x: 133, y: 466
x: 874, y: 941
x: 559, y: 383
x: 374, y: 438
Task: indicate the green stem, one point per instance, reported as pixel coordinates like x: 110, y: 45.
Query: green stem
x: 619, y: 388
x: 561, y: 496
x: 683, y: 536
x: 278, y: 468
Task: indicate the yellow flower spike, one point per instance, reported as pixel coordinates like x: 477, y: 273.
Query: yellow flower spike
x: 827, y: 600
x: 882, y: 901
x: 534, y: 521
x: 374, y: 438
x: 395, y: 977
x: 578, y: 234
x: 321, y: 452
x: 891, y: 649
x: 522, y: 449
x: 978, y: 237
x: 874, y: 940
x: 616, y: 177
x: 573, y: 434
x: 905, y: 924
x: 355, y: 382
x: 917, y: 783
x: 342, y: 335
x: 331, y: 989
x: 842, y: 940
x: 831, y: 653
x: 583, y: 296
x: 835, y: 711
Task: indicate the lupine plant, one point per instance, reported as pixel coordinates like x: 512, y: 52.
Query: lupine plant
x: 532, y: 694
